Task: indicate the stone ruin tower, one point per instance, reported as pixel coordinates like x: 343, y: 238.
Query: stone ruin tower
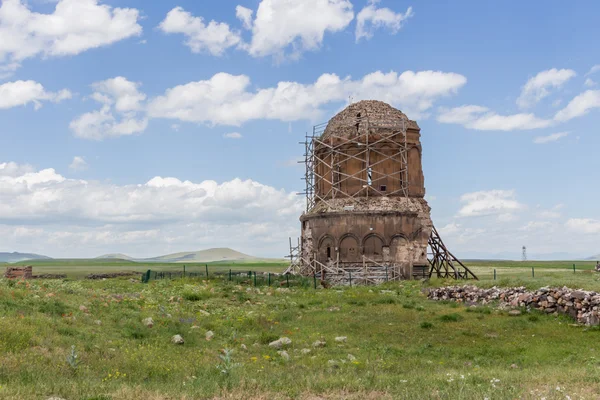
x: 366, y: 218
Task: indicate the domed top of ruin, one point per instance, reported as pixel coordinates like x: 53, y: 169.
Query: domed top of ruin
x: 379, y: 115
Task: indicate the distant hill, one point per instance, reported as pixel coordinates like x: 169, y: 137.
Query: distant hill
x: 594, y: 258
x: 18, y: 257
x: 202, y: 256
x: 116, y: 256
x: 209, y: 255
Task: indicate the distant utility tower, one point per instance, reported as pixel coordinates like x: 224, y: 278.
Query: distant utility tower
x: 524, y: 258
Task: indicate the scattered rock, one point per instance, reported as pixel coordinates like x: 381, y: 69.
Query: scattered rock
x: 279, y: 343
x: 341, y: 339
x: 177, y: 339
x: 149, y: 322
x: 243, y: 347
x: 205, y: 313
x: 584, y: 306
x: 209, y: 335
x: 305, y: 351
x: 351, y: 357
x: 319, y: 343
x: 83, y: 308
x: 284, y: 354
x: 195, y: 327
x: 334, y: 308
x: 98, y: 322
x: 514, y: 366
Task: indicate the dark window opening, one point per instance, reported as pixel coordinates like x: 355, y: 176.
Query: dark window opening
x: 383, y: 188
x: 328, y: 252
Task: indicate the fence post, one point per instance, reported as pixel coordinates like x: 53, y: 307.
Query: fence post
x: 269, y: 283
x: 532, y: 272
x: 146, y: 277
x: 315, y: 279
x: 573, y: 268
x: 494, y: 273
x: 350, y: 274
x: 230, y: 275
x: 206, y: 265
x: 287, y: 278
x: 184, y: 270
x: 254, y: 278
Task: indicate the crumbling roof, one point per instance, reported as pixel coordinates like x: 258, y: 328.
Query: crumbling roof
x: 377, y: 112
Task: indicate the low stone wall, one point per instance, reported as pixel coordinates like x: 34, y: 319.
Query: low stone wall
x: 18, y: 272
x: 584, y: 306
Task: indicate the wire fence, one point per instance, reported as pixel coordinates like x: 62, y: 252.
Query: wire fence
x: 254, y: 278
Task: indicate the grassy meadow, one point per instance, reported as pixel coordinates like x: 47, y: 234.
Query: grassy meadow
x: 80, y: 339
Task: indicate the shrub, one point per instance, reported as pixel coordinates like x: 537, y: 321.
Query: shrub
x: 451, y: 318
x: 426, y: 325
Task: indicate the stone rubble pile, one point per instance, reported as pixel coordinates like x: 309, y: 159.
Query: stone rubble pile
x: 584, y: 306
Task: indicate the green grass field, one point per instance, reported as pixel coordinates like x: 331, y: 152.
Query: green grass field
x: 79, y: 339
x: 399, y: 344
x: 78, y: 268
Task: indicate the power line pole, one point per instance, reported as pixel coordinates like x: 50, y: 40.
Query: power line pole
x: 524, y: 257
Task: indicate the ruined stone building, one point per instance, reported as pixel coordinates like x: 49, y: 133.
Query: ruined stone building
x: 366, y: 214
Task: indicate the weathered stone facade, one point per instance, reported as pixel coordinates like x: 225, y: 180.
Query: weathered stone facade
x: 370, y: 209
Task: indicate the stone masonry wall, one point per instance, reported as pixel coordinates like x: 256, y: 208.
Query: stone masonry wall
x: 583, y: 306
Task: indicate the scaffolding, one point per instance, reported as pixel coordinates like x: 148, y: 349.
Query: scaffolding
x: 442, y: 261
x: 325, y: 154
x: 368, y: 143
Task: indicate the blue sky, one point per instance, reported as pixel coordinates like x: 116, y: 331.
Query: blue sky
x: 116, y: 119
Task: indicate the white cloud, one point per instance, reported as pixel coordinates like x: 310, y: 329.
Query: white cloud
x: 226, y: 99
x: 550, y: 138
x: 155, y: 214
x: 301, y: 25
x: 450, y: 229
x: 214, y: 37
x: 540, y: 85
x: 589, y: 82
x: 78, y: 164
x: 583, y: 225
x: 536, y: 225
x: 74, y: 27
x: 491, y: 202
x: 121, y: 112
x: 232, y: 135
x: 245, y: 15
x: 593, y: 70
x: 579, y: 106
x: 371, y: 18
x: 483, y: 119
x: 20, y: 93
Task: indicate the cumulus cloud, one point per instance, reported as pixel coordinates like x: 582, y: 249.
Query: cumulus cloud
x: 73, y: 27
x: 21, y: 93
x: 492, y: 202
x: 78, y: 164
x: 245, y: 16
x: 484, y: 119
x: 589, y: 82
x: 121, y: 113
x: 583, y: 225
x: 540, y: 85
x: 371, y: 18
x: 301, y: 25
x: 550, y: 138
x: 214, y: 37
x: 226, y: 99
x: 579, y: 106
x: 233, y: 135
x: 160, y: 211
